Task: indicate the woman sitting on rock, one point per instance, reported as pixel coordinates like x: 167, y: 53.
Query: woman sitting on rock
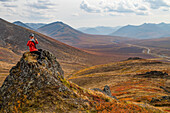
x: 32, y: 43
x: 32, y: 46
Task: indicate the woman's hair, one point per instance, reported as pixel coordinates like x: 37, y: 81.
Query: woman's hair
x: 31, y: 35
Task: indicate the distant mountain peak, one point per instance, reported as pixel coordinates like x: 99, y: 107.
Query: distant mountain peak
x: 162, y: 23
x: 19, y: 23
x: 59, y: 29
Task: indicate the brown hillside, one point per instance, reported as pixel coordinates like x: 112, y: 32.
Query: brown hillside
x: 141, y: 81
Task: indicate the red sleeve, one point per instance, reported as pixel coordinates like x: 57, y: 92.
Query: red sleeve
x: 28, y: 43
x: 36, y: 42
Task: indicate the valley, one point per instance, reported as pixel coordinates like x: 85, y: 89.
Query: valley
x: 85, y: 56
x: 137, y: 71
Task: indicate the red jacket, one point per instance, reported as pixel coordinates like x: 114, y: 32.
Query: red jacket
x: 32, y: 45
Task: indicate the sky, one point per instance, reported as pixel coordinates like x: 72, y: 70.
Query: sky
x: 86, y: 13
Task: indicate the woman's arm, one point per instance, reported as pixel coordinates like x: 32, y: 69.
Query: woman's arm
x: 36, y: 41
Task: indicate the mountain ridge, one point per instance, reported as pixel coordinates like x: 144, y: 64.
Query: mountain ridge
x: 144, y: 31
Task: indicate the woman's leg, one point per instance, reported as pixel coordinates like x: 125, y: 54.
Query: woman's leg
x: 38, y: 53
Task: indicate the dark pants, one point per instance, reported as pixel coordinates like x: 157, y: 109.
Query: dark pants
x: 38, y: 53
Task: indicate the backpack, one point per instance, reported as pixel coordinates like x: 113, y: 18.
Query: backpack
x: 34, y: 44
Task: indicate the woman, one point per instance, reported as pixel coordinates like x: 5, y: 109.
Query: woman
x: 32, y: 46
x: 32, y: 43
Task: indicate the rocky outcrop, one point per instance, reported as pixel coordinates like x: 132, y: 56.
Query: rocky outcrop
x: 154, y: 74
x: 106, y: 91
x: 134, y: 58
x: 29, y: 76
x: 161, y: 101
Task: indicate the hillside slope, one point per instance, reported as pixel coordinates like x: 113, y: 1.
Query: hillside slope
x: 40, y: 87
x: 141, y: 81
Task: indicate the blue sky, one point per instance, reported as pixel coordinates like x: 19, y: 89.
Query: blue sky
x: 87, y: 13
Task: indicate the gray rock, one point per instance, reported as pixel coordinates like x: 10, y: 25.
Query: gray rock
x: 106, y: 91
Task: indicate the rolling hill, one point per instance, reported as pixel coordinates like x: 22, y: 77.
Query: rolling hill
x: 144, y: 31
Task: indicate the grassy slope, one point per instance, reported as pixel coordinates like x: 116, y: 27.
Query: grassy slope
x: 87, y: 101
x: 119, y: 76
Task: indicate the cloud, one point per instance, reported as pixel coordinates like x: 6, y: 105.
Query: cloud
x: 89, y: 8
x: 111, y: 7
x: 156, y: 4
x: 41, y: 4
x: 9, y: 5
x: 39, y: 10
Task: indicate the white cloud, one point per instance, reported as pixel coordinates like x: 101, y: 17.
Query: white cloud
x: 111, y: 7
x: 9, y: 5
x: 39, y: 10
x: 156, y: 4
x: 41, y: 4
x: 89, y: 8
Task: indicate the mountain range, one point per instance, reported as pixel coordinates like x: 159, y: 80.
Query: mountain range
x: 144, y: 31
x: 99, y: 30
x: 66, y: 34
x: 102, y: 43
